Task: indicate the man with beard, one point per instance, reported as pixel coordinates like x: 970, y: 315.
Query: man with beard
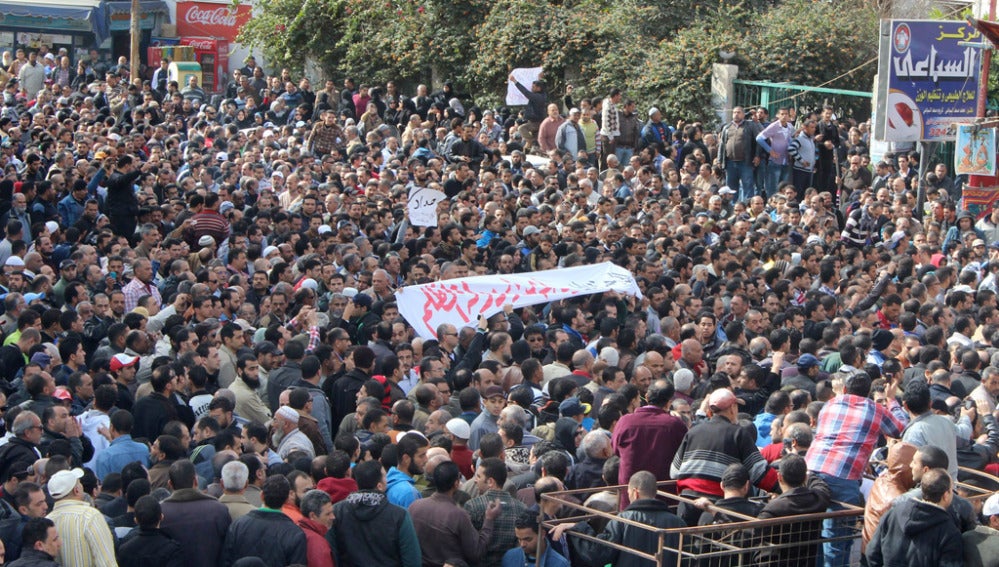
x: 87, y: 222
x: 401, y: 489
x: 287, y: 437
x: 249, y: 404
x: 19, y: 212
x: 259, y: 288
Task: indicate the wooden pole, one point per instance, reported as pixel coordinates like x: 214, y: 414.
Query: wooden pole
x: 133, y: 58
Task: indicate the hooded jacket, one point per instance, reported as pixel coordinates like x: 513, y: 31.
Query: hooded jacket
x: 401, y: 489
x: 895, y: 482
x: 915, y: 533
x: 319, y: 552
x: 90, y: 422
x: 344, y: 393
x: 955, y: 233
x: 368, y: 530
x: 337, y: 488
x: 565, y: 436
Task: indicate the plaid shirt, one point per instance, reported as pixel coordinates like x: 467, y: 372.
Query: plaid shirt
x: 848, y: 428
x: 504, y: 538
x: 135, y: 289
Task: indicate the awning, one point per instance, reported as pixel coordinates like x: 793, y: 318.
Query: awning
x: 145, y: 6
x: 62, y: 15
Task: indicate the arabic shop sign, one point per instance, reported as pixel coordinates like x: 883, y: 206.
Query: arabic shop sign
x: 930, y: 79
x: 46, y: 22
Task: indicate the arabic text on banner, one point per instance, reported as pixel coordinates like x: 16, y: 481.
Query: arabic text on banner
x: 524, y: 76
x: 932, y: 79
x: 460, y: 301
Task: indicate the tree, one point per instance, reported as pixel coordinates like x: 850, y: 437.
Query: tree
x: 676, y: 77
x: 556, y: 36
x: 796, y: 41
x: 659, y: 53
x: 289, y: 30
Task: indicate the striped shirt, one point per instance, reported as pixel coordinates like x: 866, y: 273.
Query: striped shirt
x: 709, y: 448
x: 848, y: 428
x: 208, y: 223
x: 86, y: 538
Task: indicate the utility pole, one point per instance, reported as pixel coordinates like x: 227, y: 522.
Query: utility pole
x: 983, y: 84
x: 133, y: 58
x: 987, y: 45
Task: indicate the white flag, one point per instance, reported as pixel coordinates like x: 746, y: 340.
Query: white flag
x: 524, y: 76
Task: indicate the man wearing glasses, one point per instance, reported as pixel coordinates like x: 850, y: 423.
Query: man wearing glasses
x: 447, y: 335
x: 22, y: 449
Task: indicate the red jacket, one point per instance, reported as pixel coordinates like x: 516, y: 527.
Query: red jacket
x: 317, y: 548
x: 462, y: 456
x: 771, y: 453
x: 338, y: 488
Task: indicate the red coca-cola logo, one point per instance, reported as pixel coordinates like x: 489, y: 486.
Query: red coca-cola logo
x: 221, y: 16
x: 206, y: 19
x: 199, y: 44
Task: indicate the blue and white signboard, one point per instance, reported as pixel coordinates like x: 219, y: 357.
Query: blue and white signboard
x: 932, y: 75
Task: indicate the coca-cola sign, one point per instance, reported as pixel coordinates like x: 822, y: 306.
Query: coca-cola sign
x: 199, y: 44
x: 221, y: 21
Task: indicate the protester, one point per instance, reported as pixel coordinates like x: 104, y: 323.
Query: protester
x: 148, y: 545
x: 267, y: 533
x: 368, y: 530
x: 444, y: 529
x: 919, y: 532
x: 648, y: 438
x: 87, y: 539
x: 41, y: 544
x: 644, y: 508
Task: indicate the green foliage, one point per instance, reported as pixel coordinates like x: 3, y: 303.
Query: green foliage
x: 677, y: 75
x: 516, y: 33
x: 795, y: 41
x: 659, y: 53
x: 286, y: 30
x: 992, y: 95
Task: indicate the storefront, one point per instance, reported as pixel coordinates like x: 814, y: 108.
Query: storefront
x: 77, y: 25
x: 211, y: 28
x: 153, y: 13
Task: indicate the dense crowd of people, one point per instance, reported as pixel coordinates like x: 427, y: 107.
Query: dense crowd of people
x: 204, y: 363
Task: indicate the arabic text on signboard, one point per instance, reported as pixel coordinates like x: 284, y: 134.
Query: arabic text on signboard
x: 932, y: 79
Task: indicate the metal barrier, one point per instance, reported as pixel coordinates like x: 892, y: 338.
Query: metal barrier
x: 856, y: 104
x: 977, y: 495
x: 787, y: 541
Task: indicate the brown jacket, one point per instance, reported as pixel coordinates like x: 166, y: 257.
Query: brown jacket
x: 895, y: 482
x: 158, y: 477
x: 310, y: 427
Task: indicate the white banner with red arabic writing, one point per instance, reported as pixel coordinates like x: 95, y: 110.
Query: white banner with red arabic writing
x: 461, y: 301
